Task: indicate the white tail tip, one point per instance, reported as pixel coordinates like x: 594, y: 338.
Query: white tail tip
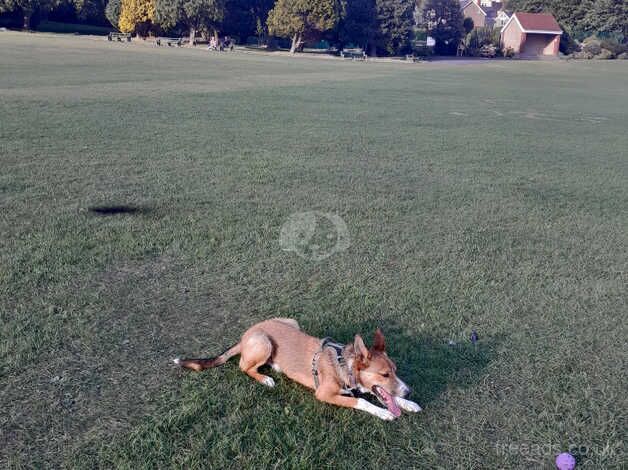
x: 177, y: 361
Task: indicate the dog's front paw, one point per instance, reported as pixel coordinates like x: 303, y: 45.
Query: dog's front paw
x: 407, y: 405
x: 269, y: 382
x: 383, y: 413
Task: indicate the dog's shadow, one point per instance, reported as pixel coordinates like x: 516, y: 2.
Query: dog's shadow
x: 428, y: 365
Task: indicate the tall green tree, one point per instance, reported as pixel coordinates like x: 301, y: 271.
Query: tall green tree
x: 90, y: 10
x: 192, y: 14
x: 302, y: 19
x: 358, y: 24
x: 443, y: 20
x: 112, y: 12
x: 394, y: 24
x: 245, y: 18
x: 26, y: 7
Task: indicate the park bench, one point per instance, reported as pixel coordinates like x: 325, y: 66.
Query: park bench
x: 169, y: 41
x: 414, y: 58
x: 353, y: 54
x: 119, y: 37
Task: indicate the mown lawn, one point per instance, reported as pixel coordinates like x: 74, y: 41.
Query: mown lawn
x: 490, y: 197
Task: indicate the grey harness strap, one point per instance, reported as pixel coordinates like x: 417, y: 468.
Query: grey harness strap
x: 342, y: 368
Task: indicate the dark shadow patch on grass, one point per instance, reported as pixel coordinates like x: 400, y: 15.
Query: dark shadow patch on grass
x: 118, y: 209
x: 428, y: 365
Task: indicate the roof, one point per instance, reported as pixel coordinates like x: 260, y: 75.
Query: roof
x: 490, y: 12
x: 535, y: 23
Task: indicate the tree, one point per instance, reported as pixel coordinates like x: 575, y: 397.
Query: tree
x: 302, y: 19
x: 112, y: 12
x: 27, y: 7
x: 443, y: 20
x: 193, y: 14
x: 89, y: 10
x: 136, y: 16
x: 608, y: 18
x: 581, y: 18
x: 468, y: 25
x: 358, y: 23
x: 244, y: 18
x: 394, y: 24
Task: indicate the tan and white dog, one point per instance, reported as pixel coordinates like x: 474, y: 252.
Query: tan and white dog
x: 333, y: 373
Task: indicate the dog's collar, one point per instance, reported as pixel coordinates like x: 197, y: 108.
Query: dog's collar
x: 339, y: 361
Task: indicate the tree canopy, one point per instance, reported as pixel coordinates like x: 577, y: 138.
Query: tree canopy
x: 443, y: 20
x: 112, y: 12
x: 136, y: 16
x: 302, y: 19
x: 27, y: 7
x: 358, y: 23
x: 394, y: 24
x: 194, y: 15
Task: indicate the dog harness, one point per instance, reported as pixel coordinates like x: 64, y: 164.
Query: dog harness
x: 342, y: 368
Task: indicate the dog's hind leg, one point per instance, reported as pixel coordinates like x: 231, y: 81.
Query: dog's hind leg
x: 289, y: 321
x: 257, y: 349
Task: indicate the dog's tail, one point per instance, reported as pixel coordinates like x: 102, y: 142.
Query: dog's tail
x: 200, y: 364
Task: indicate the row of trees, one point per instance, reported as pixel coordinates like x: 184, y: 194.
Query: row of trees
x: 378, y: 26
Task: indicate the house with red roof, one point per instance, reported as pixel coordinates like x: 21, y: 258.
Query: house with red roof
x: 532, y: 34
x: 485, y: 13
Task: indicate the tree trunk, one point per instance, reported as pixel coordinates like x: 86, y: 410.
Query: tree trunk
x: 296, y: 41
x: 192, y: 36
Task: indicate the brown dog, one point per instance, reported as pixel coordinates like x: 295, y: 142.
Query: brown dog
x: 332, y: 370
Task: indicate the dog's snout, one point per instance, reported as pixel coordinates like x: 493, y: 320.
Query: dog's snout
x: 403, y: 389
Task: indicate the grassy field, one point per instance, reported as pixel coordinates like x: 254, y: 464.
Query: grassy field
x: 490, y: 197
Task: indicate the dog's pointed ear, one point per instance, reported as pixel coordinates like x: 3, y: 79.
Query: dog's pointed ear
x: 362, y: 354
x: 379, y: 342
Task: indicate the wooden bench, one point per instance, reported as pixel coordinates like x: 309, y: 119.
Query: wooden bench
x: 119, y: 37
x: 169, y: 42
x: 353, y: 54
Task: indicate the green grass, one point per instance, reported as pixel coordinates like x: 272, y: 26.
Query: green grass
x: 489, y: 197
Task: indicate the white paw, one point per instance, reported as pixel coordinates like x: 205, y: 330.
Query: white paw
x: 269, y: 382
x: 407, y: 405
x: 383, y: 413
x: 177, y: 361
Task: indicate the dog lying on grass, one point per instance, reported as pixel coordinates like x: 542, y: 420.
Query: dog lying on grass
x: 335, y: 372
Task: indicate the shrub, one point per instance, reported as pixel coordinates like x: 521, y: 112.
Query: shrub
x: 567, y: 44
x: 478, y: 38
x: 582, y: 55
x: 614, y: 46
x: 488, y: 50
x: 623, y: 56
x: 604, y: 54
x: 509, y: 53
x: 592, y: 45
x: 468, y: 25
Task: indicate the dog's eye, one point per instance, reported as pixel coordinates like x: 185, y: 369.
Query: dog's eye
x: 386, y: 375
